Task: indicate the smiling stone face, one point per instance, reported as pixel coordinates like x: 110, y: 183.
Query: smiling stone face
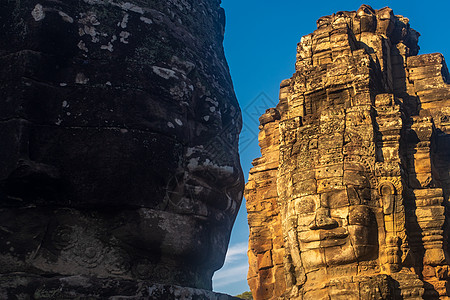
x: 121, y: 136
x: 335, y: 227
x: 329, y: 209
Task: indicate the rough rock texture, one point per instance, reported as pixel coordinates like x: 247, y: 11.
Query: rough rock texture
x: 24, y: 286
x: 119, y: 129
x: 350, y: 198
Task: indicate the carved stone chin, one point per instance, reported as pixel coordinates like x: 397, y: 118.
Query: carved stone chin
x: 349, y: 198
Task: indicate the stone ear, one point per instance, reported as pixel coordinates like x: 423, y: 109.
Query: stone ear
x: 353, y: 196
x: 387, y: 192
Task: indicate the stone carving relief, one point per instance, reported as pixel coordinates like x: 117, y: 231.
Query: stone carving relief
x: 119, y: 127
x: 357, y: 157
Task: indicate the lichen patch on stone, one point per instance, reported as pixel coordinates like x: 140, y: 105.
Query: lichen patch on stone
x: 38, y: 13
x: 81, y: 79
x: 146, y: 20
x: 65, y: 17
x: 124, y: 36
x: 124, y: 21
x: 108, y: 47
x: 212, y: 101
x: 132, y: 7
x: 164, y: 73
x: 82, y: 46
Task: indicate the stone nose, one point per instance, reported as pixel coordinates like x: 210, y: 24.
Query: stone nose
x: 323, y: 220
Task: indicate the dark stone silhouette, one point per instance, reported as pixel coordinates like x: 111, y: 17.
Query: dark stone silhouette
x: 119, y: 160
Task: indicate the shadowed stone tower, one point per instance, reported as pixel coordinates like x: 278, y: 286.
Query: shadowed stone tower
x: 119, y: 165
x: 350, y: 197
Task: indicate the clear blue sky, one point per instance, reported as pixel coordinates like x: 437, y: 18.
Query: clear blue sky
x: 260, y: 45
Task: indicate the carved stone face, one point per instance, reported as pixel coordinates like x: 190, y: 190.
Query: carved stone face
x: 367, y: 17
x: 336, y: 227
x: 365, y: 10
x: 324, y: 21
x: 386, y: 21
x: 208, y: 188
x: 129, y: 128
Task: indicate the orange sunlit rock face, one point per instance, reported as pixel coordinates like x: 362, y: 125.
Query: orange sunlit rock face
x: 349, y: 196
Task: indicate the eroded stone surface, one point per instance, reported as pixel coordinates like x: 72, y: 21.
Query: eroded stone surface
x: 19, y: 286
x: 119, y: 127
x: 349, y: 199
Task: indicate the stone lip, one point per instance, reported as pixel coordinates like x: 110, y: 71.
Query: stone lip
x: 322, y: 235
x: 85, y: 287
